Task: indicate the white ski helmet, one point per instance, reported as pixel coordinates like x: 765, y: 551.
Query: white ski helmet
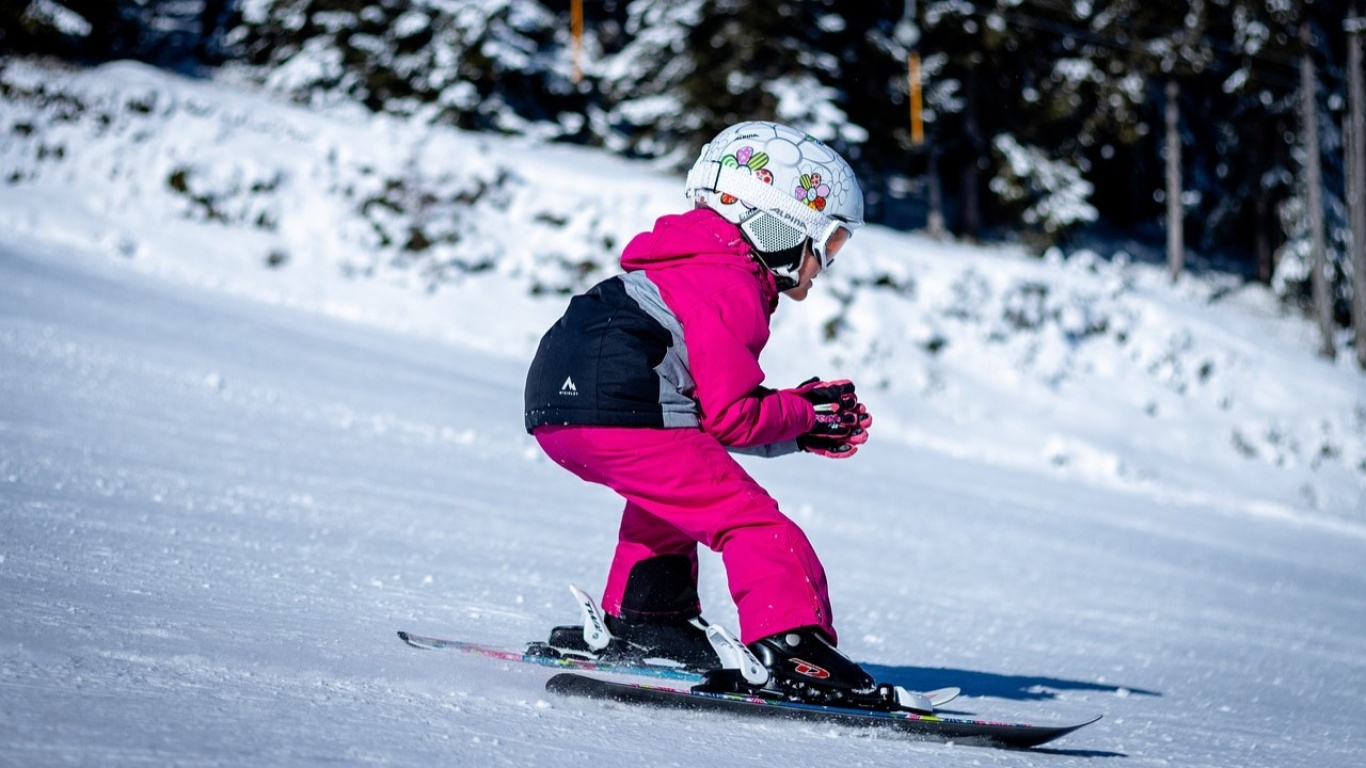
x: 783, y: 187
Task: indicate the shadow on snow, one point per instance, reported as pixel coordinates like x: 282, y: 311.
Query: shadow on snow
x: 975, y: 683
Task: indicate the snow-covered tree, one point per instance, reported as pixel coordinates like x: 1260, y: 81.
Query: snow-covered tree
x: 491, y: 65
x: 769, y: 60
x: 1050, y: 196
x: 645, y: 113
x: 175, y: 33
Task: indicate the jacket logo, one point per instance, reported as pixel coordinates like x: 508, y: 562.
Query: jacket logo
x: 809, y: 669
x: 568, y: 389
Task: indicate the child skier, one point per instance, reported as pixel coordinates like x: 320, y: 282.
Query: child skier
x: 651, y: 377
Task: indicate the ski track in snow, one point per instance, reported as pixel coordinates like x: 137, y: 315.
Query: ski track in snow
x: 214, y: 514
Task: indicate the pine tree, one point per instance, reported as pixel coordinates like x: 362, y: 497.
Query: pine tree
x: 174, y: 33
x: 756, y: 60
x: 644, y: 112
x: 494, y: 65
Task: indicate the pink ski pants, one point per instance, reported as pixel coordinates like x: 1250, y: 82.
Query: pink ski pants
x: 682, y: 488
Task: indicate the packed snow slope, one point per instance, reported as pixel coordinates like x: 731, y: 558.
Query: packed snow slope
x: 248, y: 429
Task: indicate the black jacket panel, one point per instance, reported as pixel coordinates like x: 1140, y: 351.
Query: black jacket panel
x: 597, y: 364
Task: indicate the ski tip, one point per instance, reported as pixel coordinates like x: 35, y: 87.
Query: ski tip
x: 1033, y: 735
x: 568, y: 683
x: 1074, y: 726
x: 1063, y: 730
x: 575, y: 684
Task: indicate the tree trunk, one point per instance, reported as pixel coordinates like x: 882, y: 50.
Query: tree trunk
x: 1356, y: 179
x: 1266, y: 256
x: 1318, y: 278
x: 1176, y: 245
x: 972, y: 205
x: 935, y: 224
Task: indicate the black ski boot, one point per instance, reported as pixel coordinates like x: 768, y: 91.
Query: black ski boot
x: 805, y: 666
x: 678, y: 642
x: 564, y: 642
x: 658, y: 621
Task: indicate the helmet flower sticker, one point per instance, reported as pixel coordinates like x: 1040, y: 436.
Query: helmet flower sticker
x: 812, y: 191
x: 746, y: 157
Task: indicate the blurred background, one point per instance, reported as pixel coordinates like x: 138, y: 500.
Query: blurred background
x: 1210, y: 133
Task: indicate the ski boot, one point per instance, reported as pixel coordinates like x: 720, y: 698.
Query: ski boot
x: 681, y: 642
x: 802, y: 665
x: 668, y: 643
x: 805, y: 665
x: 673, y: 643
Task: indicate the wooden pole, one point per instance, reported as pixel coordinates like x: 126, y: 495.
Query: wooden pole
x: 576, y: 32
x: 917, y: 105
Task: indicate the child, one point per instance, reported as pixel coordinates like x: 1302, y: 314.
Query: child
x: 651, y: 377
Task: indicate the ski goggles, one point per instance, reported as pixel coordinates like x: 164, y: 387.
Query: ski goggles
x: 835, y: 235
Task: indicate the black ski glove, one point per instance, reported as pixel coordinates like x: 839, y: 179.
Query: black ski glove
x: 841, y: 420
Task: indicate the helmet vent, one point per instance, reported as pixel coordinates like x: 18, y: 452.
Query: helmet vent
x: 769, y: 234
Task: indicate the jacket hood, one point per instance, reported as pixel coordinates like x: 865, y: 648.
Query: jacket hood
x: 700, y: 236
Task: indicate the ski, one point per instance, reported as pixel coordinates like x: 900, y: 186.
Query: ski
x: 937, y: 698
x: 919, y: 726
x: 558, y: 662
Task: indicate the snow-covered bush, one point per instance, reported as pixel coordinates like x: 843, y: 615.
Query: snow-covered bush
x: 432, y: 205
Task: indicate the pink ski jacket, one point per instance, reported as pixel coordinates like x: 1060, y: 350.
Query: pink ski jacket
x: 672, y: 343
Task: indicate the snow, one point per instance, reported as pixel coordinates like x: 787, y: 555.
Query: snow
x: 225, y: 484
